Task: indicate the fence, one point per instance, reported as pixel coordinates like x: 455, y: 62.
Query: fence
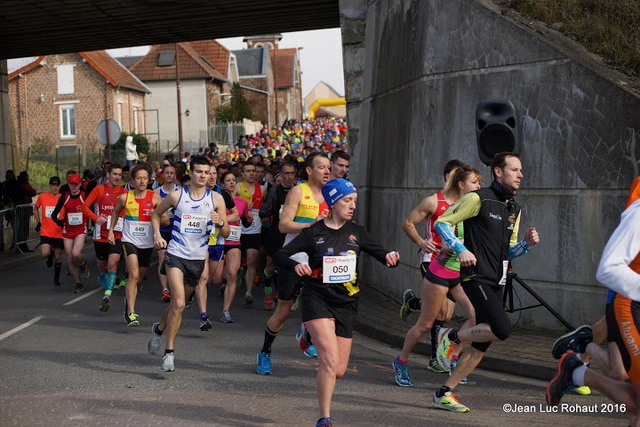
x: 24, y: 227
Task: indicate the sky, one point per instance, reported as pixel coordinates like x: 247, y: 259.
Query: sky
x: 320, y: 58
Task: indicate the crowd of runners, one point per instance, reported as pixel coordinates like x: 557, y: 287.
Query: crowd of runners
x: 276, y: 211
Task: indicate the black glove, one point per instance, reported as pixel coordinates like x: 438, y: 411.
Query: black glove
x: 60, y: 222
x: 38, y: 227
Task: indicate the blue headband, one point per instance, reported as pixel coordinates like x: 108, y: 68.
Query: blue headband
x: 336, y: 189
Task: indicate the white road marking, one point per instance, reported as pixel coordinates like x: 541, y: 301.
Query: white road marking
x: 88, y: 294
x: 21, y: 327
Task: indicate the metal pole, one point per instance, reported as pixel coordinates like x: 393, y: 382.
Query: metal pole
x: 180, y: 142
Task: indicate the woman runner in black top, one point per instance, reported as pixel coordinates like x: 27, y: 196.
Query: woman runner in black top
x: 330, y: 292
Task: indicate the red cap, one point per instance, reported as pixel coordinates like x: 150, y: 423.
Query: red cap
x: 74, y: 179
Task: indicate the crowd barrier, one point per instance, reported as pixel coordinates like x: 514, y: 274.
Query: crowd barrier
x: 24, y: 227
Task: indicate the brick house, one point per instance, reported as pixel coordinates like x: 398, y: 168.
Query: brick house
x: 60, y: 99
x: 287, y: 74
x: 207, y: 72
x: 256, y: 79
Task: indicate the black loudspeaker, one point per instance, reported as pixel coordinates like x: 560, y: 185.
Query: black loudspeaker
x: 497, y: 129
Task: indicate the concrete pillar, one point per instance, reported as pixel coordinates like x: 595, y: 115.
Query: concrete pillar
x: 7, y: 147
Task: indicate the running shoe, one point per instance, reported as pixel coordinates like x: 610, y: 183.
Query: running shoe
x: 205, y: 324
x: 304, y: 342
x: 583, y: 390
x: 78, y: 289
x: 154, y: 342
x: 264, y: 363
x: 106, y: 303
x: 268, y: 302
x: 189, y: 302
x: 453, y: 365
x: 84, y: 270
x: 131, y: 319
x: 324, y: 422
x: 240, y: 277
x: 166, y: 295
x: 576, y: 340
x: 449, y: 403
x: 167, y: 362
x: 248, y: 298
x: 435, y: 366
x: 68, y: 273
x: 50, y: 261
x: 445, y: 348
x: 402, y: 373
x: 225, y: 317
x: 405, y: 310
x: 562, y: 382
x: 121, y: 283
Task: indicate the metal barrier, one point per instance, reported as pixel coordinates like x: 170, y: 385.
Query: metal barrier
x: 24, y: 227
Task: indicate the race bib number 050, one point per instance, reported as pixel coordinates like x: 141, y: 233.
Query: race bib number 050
x: 338, y: 269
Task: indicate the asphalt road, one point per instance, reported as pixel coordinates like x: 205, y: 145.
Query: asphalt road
x: 71, y: 364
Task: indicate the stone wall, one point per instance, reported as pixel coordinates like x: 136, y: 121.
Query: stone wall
x: 415, y: 70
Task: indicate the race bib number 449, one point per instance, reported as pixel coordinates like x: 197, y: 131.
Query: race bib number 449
x: 338, y: 269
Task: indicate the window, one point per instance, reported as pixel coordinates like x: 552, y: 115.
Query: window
x: 65, y: 79
x: 67, y: 121
x: 166, y: 58
x: 120, y: 115
x: 135, y: 120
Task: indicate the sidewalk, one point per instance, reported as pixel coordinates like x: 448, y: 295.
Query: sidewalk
x: 527, y: 352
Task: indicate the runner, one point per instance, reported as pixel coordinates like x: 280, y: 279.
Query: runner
x: 329, y: 300
x: 232, y: 253
x: 442, y: 275
x: 340, y: 161
x: 272, y: 210
x: 169, y: 186
x: 429, y: 209
x: 196, y: 210
x: 105, y: 197
x: 491, y: 222
x: 253, y: 193
x: 51, y: 243
x: 137, y: 239
x: 74, y: 231
x: 304, y: 206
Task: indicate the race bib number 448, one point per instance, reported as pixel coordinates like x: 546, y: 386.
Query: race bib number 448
x: 193, y: 224
x: 338, y: 269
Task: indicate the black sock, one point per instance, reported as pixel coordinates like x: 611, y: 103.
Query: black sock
x: 269, y: 337
x: 56, y: 271
x: 415, y: 304
x: 168, y: 352
x: 453, y: 336
x: 443, y: 390
x: 157, y: 330
x: 437, y: 324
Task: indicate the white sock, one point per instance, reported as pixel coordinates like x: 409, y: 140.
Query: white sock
x: 578, y: 375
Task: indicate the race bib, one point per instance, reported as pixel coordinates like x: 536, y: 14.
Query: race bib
x: 119, y: 225
x: 75, y: 218
x: 139, y: 228
x: 193, y: 224
x: 48, y: 211
x: 234, y: 233
x: 338, y: 269
x: 256, y: 218
x: 505, y: 269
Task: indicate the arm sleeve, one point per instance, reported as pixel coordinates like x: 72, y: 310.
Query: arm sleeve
x: 467, y: 207
x: 56, y: 211
x: 621, y: 249
x: 517, y: 248
x: 267, y: 207
x: 228, y: 199
x: 302, y: 243
x: 86, y: 206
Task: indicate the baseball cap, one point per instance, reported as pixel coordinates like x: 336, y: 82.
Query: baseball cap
x: 74, y: 179
x: 54, y: 180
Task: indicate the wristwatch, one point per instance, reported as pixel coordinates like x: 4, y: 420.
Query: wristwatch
x: 221, y: 225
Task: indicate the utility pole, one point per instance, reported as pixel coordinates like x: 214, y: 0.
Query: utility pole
x: 180, y: 142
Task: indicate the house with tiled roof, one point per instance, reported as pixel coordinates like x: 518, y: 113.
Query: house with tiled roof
x: 255, y: 75
x: 207, y: 73
x: 287, y: 75
x: 61, y: 99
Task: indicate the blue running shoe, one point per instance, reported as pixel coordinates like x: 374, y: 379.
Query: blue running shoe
x: 402, y: 373
x: 311, y: 351
x: 264, y: 363
x: 324, y: 422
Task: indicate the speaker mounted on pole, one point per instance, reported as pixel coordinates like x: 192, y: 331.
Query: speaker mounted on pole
x: 497, y: 129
